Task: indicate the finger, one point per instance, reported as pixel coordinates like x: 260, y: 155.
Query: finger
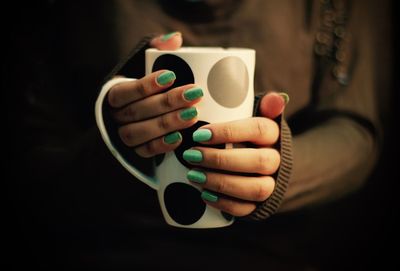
x: 263, y: 161
x: 170, y: 41
x: 228, y: 205
x: 242, y: 187
x: 159, y: 104
x: 128, y: 92
x: 160, y: 145
x: 258, y: 130
x: 135, y: 134
x: 273, y: 104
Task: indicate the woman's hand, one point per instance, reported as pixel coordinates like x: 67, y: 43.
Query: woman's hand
x: 149, y: 117
x: 236, y: 179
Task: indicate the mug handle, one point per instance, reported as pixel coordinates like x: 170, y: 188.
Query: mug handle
x: 150, y: 181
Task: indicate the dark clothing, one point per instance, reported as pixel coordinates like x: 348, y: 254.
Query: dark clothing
x: 82, y: 209
x: 331, y: 78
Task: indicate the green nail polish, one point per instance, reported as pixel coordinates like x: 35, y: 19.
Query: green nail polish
x: 168, y: 36
x: 172, y: 138
x: 201, y: 135
x: 194, y: 156
x: 193, y: 94
x: 166, y: 77
x: 188, y: 113
x: 196, y: 176
x: 208, y: 196
x: 284, y: 96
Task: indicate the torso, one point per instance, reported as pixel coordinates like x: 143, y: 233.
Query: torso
x: 280, y: 35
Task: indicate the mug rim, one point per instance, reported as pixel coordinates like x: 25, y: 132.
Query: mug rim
x: 203, y: 49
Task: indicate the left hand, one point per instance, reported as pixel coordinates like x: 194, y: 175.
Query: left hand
x: 228, y: 186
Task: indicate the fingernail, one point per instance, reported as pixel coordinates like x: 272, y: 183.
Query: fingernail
x: 285, y: 97
x: 188, y: 113
x: 208, y: 196
x: 166, y: 77
x: 172, y: 138
x: 193, y: 94
x: 194, y: 156
x: 169, y: 35
x: 196, y: 176
x: 201, y: 135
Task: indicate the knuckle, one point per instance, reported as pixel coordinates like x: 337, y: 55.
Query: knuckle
x: 264, y: 162
x: 168, y: 100
x: 219, y: 160
x: 263, y: 191
x: 266, y: 129
x: 230, y: 207
x: 274, y: 131
x: 276, y: 160
x: 227, y: 132
x: 164, y: 123
x: 150, y: 149
x: 130, y: 113
x: 262, y: 127
x: 142, y: 88
x: 126, y: 136
x: 220, y: 185
x: 268, y: 161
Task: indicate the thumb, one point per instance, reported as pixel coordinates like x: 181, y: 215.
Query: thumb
x: 273, y: 104
x: 170, y: 41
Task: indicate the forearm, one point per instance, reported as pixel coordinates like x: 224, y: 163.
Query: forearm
x: 329, y: 161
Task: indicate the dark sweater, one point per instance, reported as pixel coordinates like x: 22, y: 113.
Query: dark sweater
x: 319, y: 54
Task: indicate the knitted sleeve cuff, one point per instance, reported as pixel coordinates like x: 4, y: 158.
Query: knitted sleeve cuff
x: 267, y: 208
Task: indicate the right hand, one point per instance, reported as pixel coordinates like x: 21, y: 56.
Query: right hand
x: 149, y: 120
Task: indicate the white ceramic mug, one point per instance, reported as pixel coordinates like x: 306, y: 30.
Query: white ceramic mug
x: 226, y: 77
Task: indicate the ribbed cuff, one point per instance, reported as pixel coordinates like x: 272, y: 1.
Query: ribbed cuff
x: 267, y: 208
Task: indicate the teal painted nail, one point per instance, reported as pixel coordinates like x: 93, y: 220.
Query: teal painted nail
x: 284, y: 96
x: 196, y: 176
x: 166, y: 77
x: 201, y: 135
x: 208, y: 196
x: 193, y: 156
x: 168, y: 36
x: 172, y: 138
x: 193, y: 94
x: 188, y: 113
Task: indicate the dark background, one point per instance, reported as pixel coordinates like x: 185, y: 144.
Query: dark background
x: 359, y: 232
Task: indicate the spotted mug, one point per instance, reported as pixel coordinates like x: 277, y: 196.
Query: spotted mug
x: 226, y: 77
